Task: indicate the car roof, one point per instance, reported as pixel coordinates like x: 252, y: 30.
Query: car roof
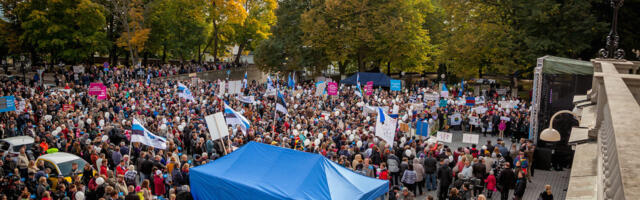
x: 19, y: 140
x: 59, y: 157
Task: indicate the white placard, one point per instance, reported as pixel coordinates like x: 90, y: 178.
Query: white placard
x: 474, y: 120
x: 456, y: 119
x: 444, y: 137
x: 217, y: 126
x: 470, y: 138
x: 78, y: 69
x: 431, y: 97
x: 506, y: 119
x: 222, y: 88
x: 234, y: 87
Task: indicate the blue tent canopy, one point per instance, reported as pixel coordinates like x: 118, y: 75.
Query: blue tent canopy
x: 379, y: 79
x: 261, y: 171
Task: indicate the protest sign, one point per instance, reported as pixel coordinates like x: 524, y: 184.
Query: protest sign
x: 456, y: 119
x: 332, y: 88
x: 369, y: 88
x: 395, y: 85
x: 7, y: 103
x: 431, y: 97
x: 470, y: 138
x: 474, y: 120
x: 234, y: 87
x: 95, y: 89
x: 320, y: 87
x: 444, y: 137
x: 67, y: 107
x: 217, y: 126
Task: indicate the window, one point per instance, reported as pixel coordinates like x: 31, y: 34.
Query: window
x: 4, y: 146
x: 65, y: 167
x: 54, y: 171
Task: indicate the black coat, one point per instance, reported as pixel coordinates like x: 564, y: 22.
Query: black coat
x: 445, y: 175
x: 520, y: 187
x: 506, y: 179
x: 430, y: 165
x: 479, y: 170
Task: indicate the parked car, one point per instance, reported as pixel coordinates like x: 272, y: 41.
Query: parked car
x: 60, y: 164
x: 10, y: 147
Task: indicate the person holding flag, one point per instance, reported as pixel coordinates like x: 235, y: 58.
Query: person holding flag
x: 144, y: 136
x: 461, y: 92
x: 281, y: 104
x: 184, y: 92
x: 358, y: 88
x: 244, y: 81
x: 234, y: 118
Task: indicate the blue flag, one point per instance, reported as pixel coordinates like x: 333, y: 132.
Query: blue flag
x: 461, y: 88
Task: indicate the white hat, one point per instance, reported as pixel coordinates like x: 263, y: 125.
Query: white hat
x: 158, y: 172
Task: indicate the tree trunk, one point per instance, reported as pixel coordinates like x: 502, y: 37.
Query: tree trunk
x: 240, y: 48
x: 480, y: 71
x: 342, y: 67
x: 164, y: 53
x: 215, y: 41
x: 389, y: 68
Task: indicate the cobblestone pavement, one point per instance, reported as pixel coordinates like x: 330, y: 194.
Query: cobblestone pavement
x: 559, y: 180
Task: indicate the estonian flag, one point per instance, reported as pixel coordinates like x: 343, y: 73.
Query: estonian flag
x: 144, y: 136
x: 234, y: 118
x: 358, y: 89
x: 184, y: 92
x: 244, y: 81
x: 281, y: 104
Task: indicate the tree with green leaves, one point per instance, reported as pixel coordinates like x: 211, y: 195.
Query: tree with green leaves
x: 177, y: 27
x: 284, y: 49
x: 222, y: 13
x: 70, y: 30
x: 255, y: 27
x: 368, y: 33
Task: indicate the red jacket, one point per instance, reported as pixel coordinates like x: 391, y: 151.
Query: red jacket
x: 491, y: 182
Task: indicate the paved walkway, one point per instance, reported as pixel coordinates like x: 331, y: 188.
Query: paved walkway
x: 559, y: 180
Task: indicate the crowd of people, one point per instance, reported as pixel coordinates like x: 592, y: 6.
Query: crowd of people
x: 336, y: 127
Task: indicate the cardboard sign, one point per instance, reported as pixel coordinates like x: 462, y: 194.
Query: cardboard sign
x: 217, y: 126
x: 369, y: 88
x: 395, y: 85
x: 470, y: 138
x: 444, y: 137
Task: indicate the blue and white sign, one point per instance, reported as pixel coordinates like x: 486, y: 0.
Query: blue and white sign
x: 7, y: 103
x: 395, y: 85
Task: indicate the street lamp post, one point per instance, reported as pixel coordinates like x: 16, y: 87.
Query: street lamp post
x: 550, y: 134
x: 613, y: 40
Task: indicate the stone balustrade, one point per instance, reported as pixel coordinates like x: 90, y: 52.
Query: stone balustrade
x: 615, y: 139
